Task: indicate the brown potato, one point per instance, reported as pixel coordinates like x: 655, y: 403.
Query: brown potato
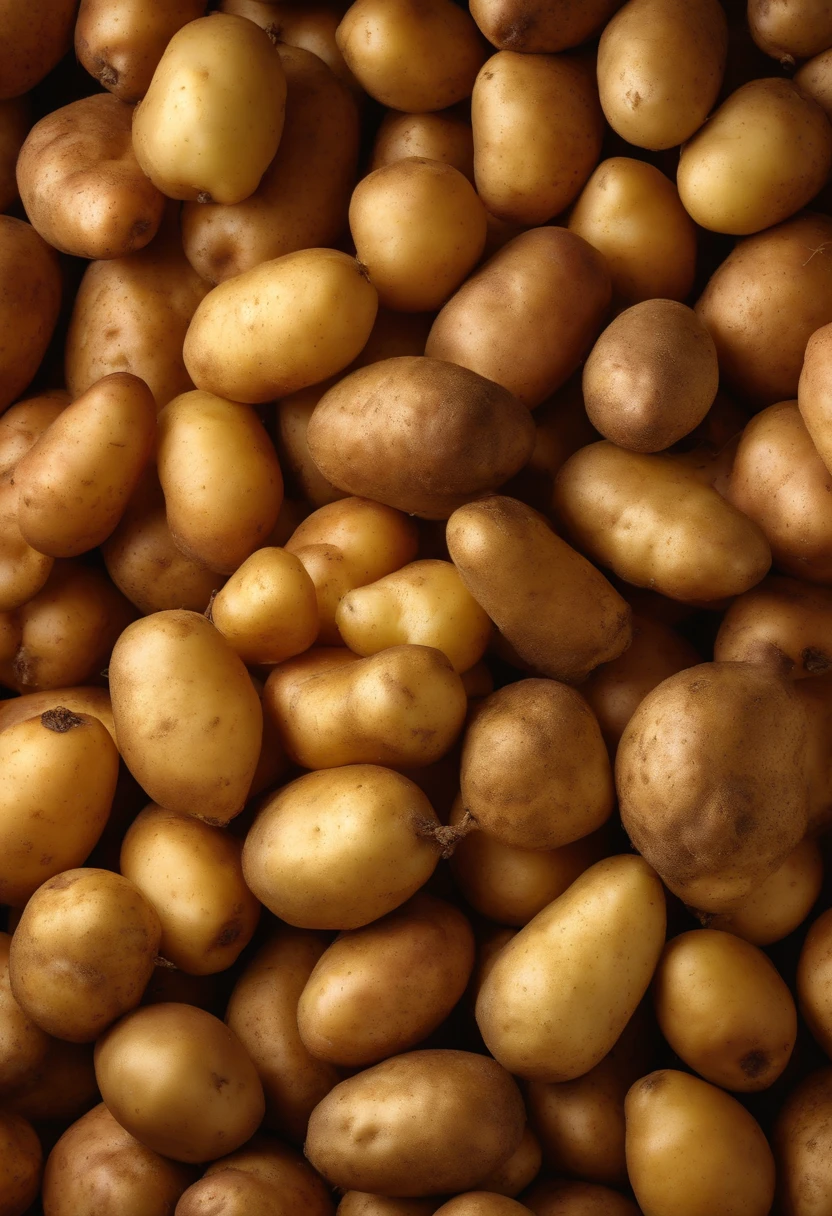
x: 23, y: 571
x: 442, y: 1120
x: 802, y: 1143
x: 538, y: 26
x: 445, y: 136
x: 789, y: 31
x: 521, y: 1168
x: 62, y: 1088
x: 310, y: 26
x: 520, y: 321
x: 782, y: 623
x: 360, y: 1203
x: 267, y: 610
x: 814, y: 79
x: 121, y: 44
x: 235, y: 1193
x: 21, y: 1158
x: 813, y: 394
x: 95, y: 702
x: 15, y: 121
x: 23, y: 424
x: 814, y: 980
x: 781, y: 903
x: 482, y: 1203
x: 33, y: 38
x: 30, y: 298
x: 565, y: 1198
x: 296, y: 1185
x: 23, y: 1044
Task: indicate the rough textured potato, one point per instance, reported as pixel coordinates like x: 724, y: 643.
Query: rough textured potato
x: 296, y: 1185
x: 538, y: 26
x: 781, y: 903
x: 30, y: 297
x: 267, y: 610
x: 781, y: 623
x: 23, y: 1045
x: 537, y: 129
x: 521, y: 320
x: 565, y: 1198
x: 802, y: 1143
x: 121, y: 43
x: 735, y: 737
x: 94, y: 702
x: 814, y: 980
x: 15, y: 120
x: 33, y: 38
x: 442, y: 1119
x: 445, y: 136
x: 23, y: 424
x: 789, y: 31
x: 21, y: 1157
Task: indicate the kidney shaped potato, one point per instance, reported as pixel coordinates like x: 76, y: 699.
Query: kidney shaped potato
x: 30, y: 298
x: 121, y: 45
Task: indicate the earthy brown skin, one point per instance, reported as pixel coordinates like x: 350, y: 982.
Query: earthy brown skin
x: 30, y: 298
x: 813, y: 396
x: 565, y: 1198
x: 23, y: 424
x: 310, y: 26
x: 442, y: 1120
x: 21, y: 1158
x: 542, y: 26
x: 360, y: 1203
x: 511, y: 560
x: 735, y: 737
x: 81, y: 184
x: 802, y: 1143
x: 482, y: 1203
x: 515, y: 1174
x: 23, y: 571
x: 83, y: 699
x: 444, y: 136
x: 787, y: 30
x: 61, y: 1089
x: 782, y: 623
x: 529, y: 317
x: 15, y: 120
x: 282, y: 1168
x: 23, y: 1044
x: 445, y: 435
x: 33, y: 38
x: 121, y: 43
x: 814, y: 980
x: 781, y: 903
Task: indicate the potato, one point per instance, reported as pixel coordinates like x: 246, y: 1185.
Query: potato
x: 515, y: 1174
x: 441, y: 1121
x: 187, y: 716
x: 282, y: 1168
x: 691, y: 1148
x: 21, y: 1157
x: 262, y: 1012
x: 221, y: 479
x: 813, y: 395
x: 191, y: 875
x: 446, y: 435
x: 179, y: 1081
x: 724, y: 1010
x: 121, y: 44
x: 291, y: 420
x: 15, y: 121
x: 511, y: 562
x: 631, y: 213
x: 814, y: 79
x: 81, y: 184
x: 394, y: 333
x: 419, y: 229
x: 303, y: 196
x: 118, y: 1173
x: 565, y: 1198
x: 652, y: 376
x: 445, y: 136
x: 521, y: 320
x: 782, y: 623
x: 763, y: 303
x: 23, y: 1044
x: 735, y: 737
x: 537, y: 129
x: 814, y: 980
x: 23, y: 424
x: 781, y: 903
x: 235, y: 1193
x: 540, y: 27
x: 215, y: 143
x: 30, y: 298
x: 33, y: 38
x: 544, y: 1011
x: 660, y: 66
x: 380, y: 990
x: 482, y: 1203
x: 803, y: 1146
x: 297, y: 320
x: 411, y: 55
x: 61, y: 1089
x: 84, y: 699
x: 131, y: 314
x: 561, y: 428
x: 310, y: 26
x: 59, y: 775
x: 23, y: 571
x: 652, y: 522
x: 267, y: 610
x: 790, y: 31
x: 340, y: 848
x: 360, y: 1203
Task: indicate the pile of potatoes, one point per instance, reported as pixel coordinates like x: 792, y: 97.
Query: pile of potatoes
x: 415, y: 608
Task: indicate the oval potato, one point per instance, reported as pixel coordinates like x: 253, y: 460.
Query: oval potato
x: 121, y: 44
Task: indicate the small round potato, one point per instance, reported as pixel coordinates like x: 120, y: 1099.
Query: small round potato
x: 121, y: 45
x: 30, y: 299
x: 268, y: 610
x: 21, y: 1158
x: 444, y: 136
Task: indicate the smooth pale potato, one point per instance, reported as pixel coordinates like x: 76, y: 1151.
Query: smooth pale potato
x: 23, y: 571
x: 763, y: 303
x: 303, y: 196
x: 310, y: 26
x: 15, y: 120
x: 296, y: 1185
x: 191, y: 874
x: 23, y: 424
x: 30, y: 298
x: 521, y: 320
x: 95, y: 702
x: 23, y: 1044
x: 814, y: 79
x: 782, y: 623
x: 789, y: 31
x: 267, y: 610
x: 511, y: 561
x: 262, y: 1012
x: 57, y: 780
x: 561, y: 992
x: 724, y: 1010
x: 814, y: 980
x: 693, y: 1149
x: 62, y: 1088
x: 75, y: 481
x: 781, y: 903
x: 537, y: 26
x: 179, y: 1081
x: 652, y: 522
x: 441, y: 1121
x: 297, y: 319
x: 380, y: 990
x: 97, y: 1167
x: 33, y: 38
x: 419, y: 229
x: 360, y: 1203
x: 424, y: 604
x: 652, y: 376
x: 813, y: 396
x: 131, y: 315
x: 81, y: 184
x: 21, y: 1158
x: 214, y: 143
x: 735, y: 737
x: 631, y: 213
x: 445, y: 136
x: 515, y: 1174
x: 535, y: 773
x: 565, y: 1198
x: 187, y: 716
x: 482, y: 1203
x: 340, y: 848
x: 802, y: 1143
x: 538, y: 129
x: 220, y: 476
x: 445, y: 436
x: 411, y: 55
x: 121, y: 44
x: 660, y: 66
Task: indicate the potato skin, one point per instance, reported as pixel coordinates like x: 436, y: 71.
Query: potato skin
x: 782, y: 623
x: 30, y: 298
x: 23, y: 1044
x: 540, y: 26
x: 120, y: 44
x: 803, y: 1146
x: 781, y: 903
x: 21, y: 1158
x: 85, y: 699
x: 361, y: 1203
x: 23, y: 571
x: 566, y: 1198
x: 814, y: 980
x: 33, y: 38
x: 481, y: 1203
x: 298, y: 1188
x: 813, y: 397
x: 445, y: 136
x: 789, y: 31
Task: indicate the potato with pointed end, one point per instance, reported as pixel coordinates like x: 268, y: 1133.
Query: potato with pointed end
x: 30, y: 299
x: 121, y: 44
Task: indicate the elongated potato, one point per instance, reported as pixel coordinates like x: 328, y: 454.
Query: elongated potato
x: 121, y: 43
x: 30, y: 297
x: 33, y: 38
x: 15, y: 120
x: 539, y: 27
x: 444, y: 136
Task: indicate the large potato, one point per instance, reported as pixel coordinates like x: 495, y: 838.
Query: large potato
x: 790, y: 29
x: 23, y: 1044
x: 537, y: 129
x: 537, y: 26
x: 121, y: 43
x: 802, y: 1144
x: 440, y: 1121
x: 33, y: 38
x: 21, y: 1158
x: 445, y: 136
x: 775, y: 909
x: 15, y: 120
x: 445, y: 435
x: 187, y: 716
x: 30, y: 298
x: 522, y: 320
x: 781, y: 622
x: 734, y: 738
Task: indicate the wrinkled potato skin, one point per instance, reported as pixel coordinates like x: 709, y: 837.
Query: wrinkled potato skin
x: 787, y: 30
x: 30, y: 298
x: 782, y: 623
x: 303, y: 197
x: 520, y: 321
x: 803, y: 1146
x: 15, y: 120
x: 781, y: 903
x: 814, y: 980
x: 23, y: 424
x: 813, y: 395
x: 81, y: 184
x: 565, y: 1198
x: 33, y: 38
x: 23, y: 1044
x: 120, y: 44
x: 95, y: 702
x: 445, y: 1119
x: 445, y: 136
x: 21, y: 1158
x: 538, y: 130
x: 540, y: 26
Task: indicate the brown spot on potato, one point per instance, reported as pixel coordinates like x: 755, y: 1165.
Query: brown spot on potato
x: 754, y: 1063
x: 60, y: 720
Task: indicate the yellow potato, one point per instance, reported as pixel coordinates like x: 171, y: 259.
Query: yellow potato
x: 565, y: 1198
x: 803, y: 1146
x: 187, y: 716
x: 440, y: 1121
x: 23, y: 424
x: 781, y: 903
x: 660, y: 66
x: 33, y: 38
x: 23, y: 1044
x: 444, y: 136
x: 522, y: 320
x: 537, y: 26
x: 214, y: 143
x: 30, y: 298
x: 297, y: 1187
x: 538, y: 129
x: 21, y: 1158
x: 121, y: 43
x: 782, y: 623
x: 295, y: 320
x: 191, y: 874
x: 310, y: 26
x: 814, y: 980
x: 789, y: 31
x: 95, y: 702
x: 15, y: 121
x: 267, y: 610
x: 23, y: 571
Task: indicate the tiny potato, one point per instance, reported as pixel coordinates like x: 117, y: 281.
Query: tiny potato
x: 121, y: 43
x: 23, y: 1044
x: 540, y: 27
x: 267, y: 610
x: 21, y: 1159
x: 33, y: 38
x: 780, y: 622
x: 566, y: 1198
x: 444, y: 135
x: 15, y: 121
x: 23, y: 424
x: 30, y: 299
x: 814, y: 980
x: 802, y: 1143
x: 777, y: 906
